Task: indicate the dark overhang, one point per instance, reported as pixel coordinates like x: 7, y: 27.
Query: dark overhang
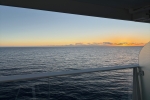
x: 132, y: 10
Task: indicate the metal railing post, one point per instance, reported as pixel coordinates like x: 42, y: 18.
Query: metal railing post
x: 136, y: 85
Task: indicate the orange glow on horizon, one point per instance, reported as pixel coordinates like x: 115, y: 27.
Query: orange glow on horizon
x: 106, y: 41
x: 73, y: 44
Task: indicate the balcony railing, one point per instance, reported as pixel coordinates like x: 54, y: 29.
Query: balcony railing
x: 53, y: 74
x: 136, y: 95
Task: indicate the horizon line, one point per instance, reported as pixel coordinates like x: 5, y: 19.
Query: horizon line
x: 78, y: 46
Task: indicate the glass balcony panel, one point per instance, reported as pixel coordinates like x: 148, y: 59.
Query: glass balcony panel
x: 108, y: 85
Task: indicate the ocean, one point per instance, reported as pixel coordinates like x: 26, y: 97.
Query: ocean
x: 108, y: 85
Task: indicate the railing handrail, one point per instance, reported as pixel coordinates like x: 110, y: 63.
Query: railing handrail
x: 62, y: 73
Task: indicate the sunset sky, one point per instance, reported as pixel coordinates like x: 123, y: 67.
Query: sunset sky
x: 28, y: 27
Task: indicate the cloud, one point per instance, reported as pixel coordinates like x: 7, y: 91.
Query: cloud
x: 107, y: 43
x: 94, y: 44
x: 129, y: 44
x: 138, y: 44
x: 79, y: 44
x: 120, y: 43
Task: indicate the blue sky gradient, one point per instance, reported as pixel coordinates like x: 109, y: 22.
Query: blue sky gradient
x: 28, y: 27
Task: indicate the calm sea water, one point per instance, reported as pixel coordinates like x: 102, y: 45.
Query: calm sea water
x: 109, y: 85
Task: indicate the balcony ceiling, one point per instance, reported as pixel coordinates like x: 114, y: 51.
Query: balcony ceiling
x: 132, y: 10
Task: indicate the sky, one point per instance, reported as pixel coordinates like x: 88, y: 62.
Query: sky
x: 28, y: 27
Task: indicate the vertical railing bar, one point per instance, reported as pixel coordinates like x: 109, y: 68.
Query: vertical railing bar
x: 140, y: 86
x: 38, y: 88
x: 136, y: 86
x: 48, y: 88
x: 33, y: 93
x: 17, y: 93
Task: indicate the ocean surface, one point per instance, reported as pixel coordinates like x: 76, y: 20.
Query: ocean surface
x: 109, y: 85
